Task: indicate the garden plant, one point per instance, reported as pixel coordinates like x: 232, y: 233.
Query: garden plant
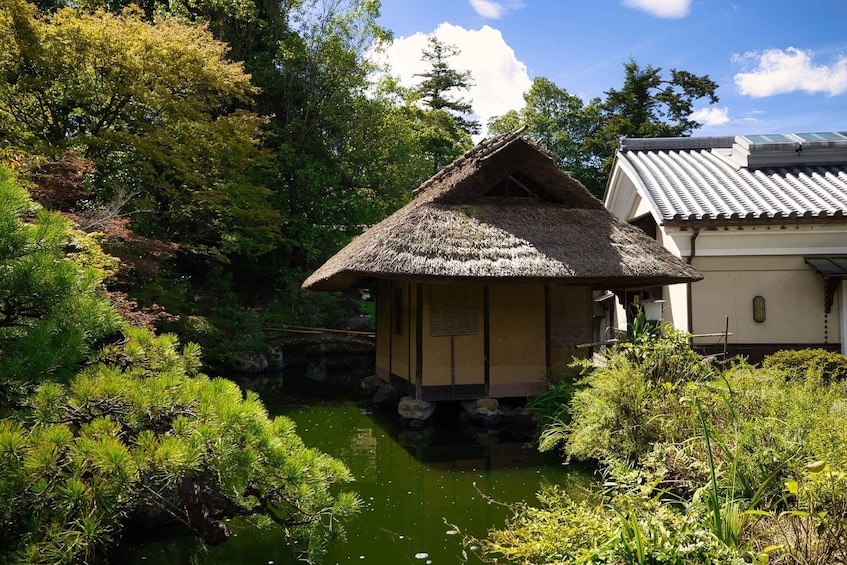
x: 700, y: 463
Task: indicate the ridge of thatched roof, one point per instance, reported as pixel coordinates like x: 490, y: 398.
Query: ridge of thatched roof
x: 479, y: 151
x: 456, y: 229
x: 491, y: 161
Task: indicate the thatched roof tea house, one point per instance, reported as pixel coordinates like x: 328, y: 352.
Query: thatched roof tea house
x: 484, y: 280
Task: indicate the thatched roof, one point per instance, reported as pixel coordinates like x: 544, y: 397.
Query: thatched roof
x: 503, y: 212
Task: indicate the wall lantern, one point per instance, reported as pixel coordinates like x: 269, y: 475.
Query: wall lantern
x: 653, y: 309
x: 759, y: 309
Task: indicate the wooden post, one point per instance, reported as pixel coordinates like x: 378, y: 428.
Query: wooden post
x: 547, y: 353
x: 486, y: 330
x: 726, y: 338
x: 452, y: 367
x: 418, y: 341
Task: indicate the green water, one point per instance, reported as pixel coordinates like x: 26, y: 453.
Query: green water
x: 418, y: 489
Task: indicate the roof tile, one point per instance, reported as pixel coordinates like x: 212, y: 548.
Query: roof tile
x: 689, y: 182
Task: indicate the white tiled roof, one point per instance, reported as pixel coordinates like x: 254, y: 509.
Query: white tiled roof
x: 697, y: 179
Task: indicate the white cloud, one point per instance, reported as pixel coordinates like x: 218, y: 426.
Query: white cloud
x: 495, y: 10
x: 661, y: 8
x: 711, y: 116
x: 500, y: 79
x: 780, y: 71
x: 487, y: 8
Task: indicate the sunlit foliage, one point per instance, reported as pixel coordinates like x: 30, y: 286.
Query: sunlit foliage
x: 141, y: 432
x: 51, y: 310
x: 89, y: 442
x: 738, y: 465
x: 155, y: 105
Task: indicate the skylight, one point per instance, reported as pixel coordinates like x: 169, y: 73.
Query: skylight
x: 769, y: 138
x: 820, y: 136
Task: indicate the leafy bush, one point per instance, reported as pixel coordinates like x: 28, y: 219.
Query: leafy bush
x: 616, y: 529
x: 698, y: 459
x: 552, y: 410
x: 560, y: 531
x: 141, y: 432
x: 828, y: 365
x: 633, y: 401
x: 664, y: 353
x: 813, y: 528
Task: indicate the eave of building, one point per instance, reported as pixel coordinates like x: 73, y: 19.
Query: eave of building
x: 838, y: 220
x: 613, y: 190
x: 684, y: 182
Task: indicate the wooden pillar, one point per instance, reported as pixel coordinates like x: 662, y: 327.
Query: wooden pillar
x: 407, y: 288
x: 547, y: 325
x: 390, y: 324
x: 418, y: 340
x: 486, y: 324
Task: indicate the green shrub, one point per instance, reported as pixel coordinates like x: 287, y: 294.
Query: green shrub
x: 562, y: 530
x: 775, y: 425
x: 615, y: 530
x: 142, y: 433
x: 633, y: 401
x: 799, y: 363
x: 721, y: 447
x: 812, y: 527
x: 664, y: 353
x: 552, y: 408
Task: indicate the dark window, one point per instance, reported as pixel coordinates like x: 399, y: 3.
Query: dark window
x: 646, y: 223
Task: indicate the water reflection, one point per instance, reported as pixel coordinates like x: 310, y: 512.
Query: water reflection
x: 419, y: 487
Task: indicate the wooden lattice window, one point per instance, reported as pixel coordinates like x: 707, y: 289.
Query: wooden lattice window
x: 571, y: 308
x: 455, y: 309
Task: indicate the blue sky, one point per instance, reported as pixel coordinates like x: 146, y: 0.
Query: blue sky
x: 781, y: 65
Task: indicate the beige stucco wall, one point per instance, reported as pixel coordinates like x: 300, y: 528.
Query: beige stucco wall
x: 842, y: 299
x: 813, y: 239
x: 469, y: 353
x: 400, y: 353
x: 739, y: 264
x: 518, y: 334
x: 436, y: 358
x: 793, y: 292
x: 675, y: 309
x: 383, y: 329
x: 624, y: 201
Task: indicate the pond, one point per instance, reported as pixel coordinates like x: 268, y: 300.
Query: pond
x: 421, y: 489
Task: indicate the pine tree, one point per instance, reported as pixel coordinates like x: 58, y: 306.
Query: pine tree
x: 649, y: 105
x: 51, y: 310
x: 137, y: 431
x: 441, y: 78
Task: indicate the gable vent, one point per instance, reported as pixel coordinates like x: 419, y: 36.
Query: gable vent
x: 518, y: 185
